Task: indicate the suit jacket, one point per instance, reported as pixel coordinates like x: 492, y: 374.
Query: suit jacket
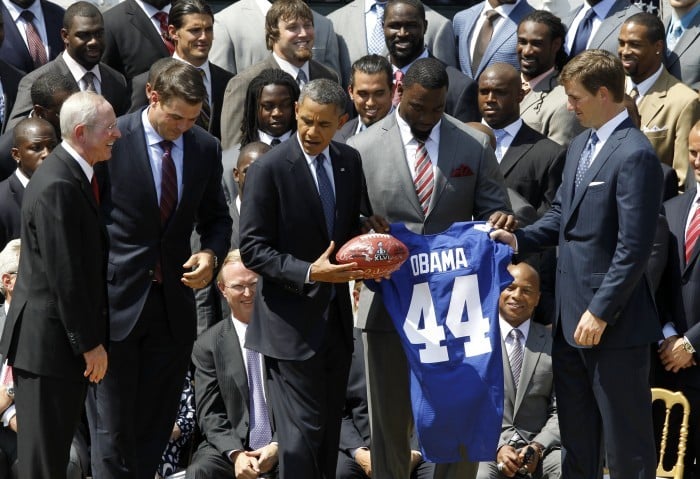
x: 59, y: 304
x: 132, y: 215
x: 684, y: 60
x: 468, y: 184
x: 283, y: 231
x: 347, y: 130
x: 605, y: 231
x: 239, y: 38
x: 669, y: 110
x: 113, y: 85
x: 532, y: 166
x: 349, y: 23
x: 501, y: 48
x: 219, y: 80
x: 531, y: 408
x: 460, y: 101
x: 544, y: 109
x: 8, y: 165
x: 234, y: 96
x: 15, y: 52
x: 606, y: 36
x: 11, y: 194
x: 222, y: 395
x: 132, y: 45
x: 10, y: 78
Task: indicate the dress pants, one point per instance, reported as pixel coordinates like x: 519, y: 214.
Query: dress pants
x: 132, y: 411
x: 307, y: 399
x: 48, y: 413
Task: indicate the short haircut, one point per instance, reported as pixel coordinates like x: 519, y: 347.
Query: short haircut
x: 80, y: 9
x: 594, y: 69
x: 44, y: 88
x: 181, y: 8
x: 232, y: 257
x: 269, y: 76
x: 653, y: 24
x: 255, y: 147
x: 556, y: 30
x: 325, y: 92
x: 9, y: 260
x: 284, y: 10
x: 79, y: 109
x: 158, y: 67
x: 180, y: 80
x: 20, y: 129
x: 417, y: 4
x: 430, y: 73
x: 372, y: 65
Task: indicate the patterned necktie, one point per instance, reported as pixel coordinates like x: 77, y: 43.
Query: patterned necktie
x: 95, y: 189
x: 34, y: 44
x: 168, y: 183
x: 162, y: 18
x: 325, y: 192
x: 89, y: 81
x: 424, y: 180
x: 526, y: 87
x: 260, y: 432
x: 376, y: 40
x: 516, y: 355
x: 275, y: 142
x: 634, y: 93
x: 500, y: 136
x: 301, y: 78
x: 583, y: 33
x: 204, y: 119
x: 691, y: 235
x: 673, y: 36
x: 586, y: 157
x: 483, y: 40
x: 398, y: 80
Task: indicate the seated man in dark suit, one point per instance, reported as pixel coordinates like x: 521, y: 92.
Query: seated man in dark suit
x: 354, y: 456
x: 48, y: 93
x: 80, y: 61
x: 232, y: 409
x: 34, y: 139
x: 529, y: 411
x: 371, y: 85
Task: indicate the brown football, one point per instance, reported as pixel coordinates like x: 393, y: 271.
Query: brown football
x: 377, y: 254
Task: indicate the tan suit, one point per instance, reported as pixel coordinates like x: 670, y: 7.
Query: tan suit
x: 544, y: 109
x: 668, y: 110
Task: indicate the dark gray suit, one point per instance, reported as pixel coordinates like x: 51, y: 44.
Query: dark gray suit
x: 605, y: 37
x: 113, y: 87
x: 683, y: 61
x: 468, y: 184
x: 234, y: 96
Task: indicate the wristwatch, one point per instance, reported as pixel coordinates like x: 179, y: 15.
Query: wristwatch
x: 10, y: 391
x: 687, y: 346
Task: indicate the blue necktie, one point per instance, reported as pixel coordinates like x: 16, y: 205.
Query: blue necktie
x: 673, y: 36
x: 586, y: 157
x: 260, y: 432
x: 376, y: 40
x: 325, y: 191
x: 500, y: 136
x: 583, y: 33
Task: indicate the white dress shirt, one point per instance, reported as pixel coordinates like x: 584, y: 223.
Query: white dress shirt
x: 78, y: 72
x: 410, y: 144
x: 39, y: 23
x: 504, y: 12
x: 601, y: 12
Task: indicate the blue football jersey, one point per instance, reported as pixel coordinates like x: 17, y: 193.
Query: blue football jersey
x: 444, y: 304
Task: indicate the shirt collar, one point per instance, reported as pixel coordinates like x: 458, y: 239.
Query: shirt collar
x: 514, y: 127
x: 267, y: 139
x: 504, y: 9
x: 506, y: 328
x: 152, y: 136
x: 150, y: 10
x: 686, y: 20
x: 424, y: 54
x: 407, y: 136
x: 77, y: 70
x: 204, y: 67
x: 21, y: 177
x: 84, y: 165
x: 16, y: 10
x: 601, y: 8
x: 608, y: 128
x: 291, y: 69
x: 240, y: 328
x: 538, y: 78
x: 644, y: 86
x: 310, y: 159
x: 369, y: 4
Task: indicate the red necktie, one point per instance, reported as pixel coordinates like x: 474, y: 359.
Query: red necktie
x: 398, y: 80
x: 35, y: 46
x: 95, y: 189
x: 691, y: 234
x: 162, y: 18
x: 168, y: 183
x: 424, y: 180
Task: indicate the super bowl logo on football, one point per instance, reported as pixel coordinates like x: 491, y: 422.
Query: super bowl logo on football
x: 378, y: 255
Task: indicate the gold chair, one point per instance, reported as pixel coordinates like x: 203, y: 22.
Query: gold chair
x: 671, y: 399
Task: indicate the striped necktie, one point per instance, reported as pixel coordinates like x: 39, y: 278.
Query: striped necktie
x: 692, y: 233
x: 516, y: 355
x: 424, y: 180
x: 34, y: 44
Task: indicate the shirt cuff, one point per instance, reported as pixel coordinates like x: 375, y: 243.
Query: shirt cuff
x: 8, y: 415
x: 669, y: 330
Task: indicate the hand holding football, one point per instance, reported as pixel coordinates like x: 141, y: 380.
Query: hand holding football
x: 378, y: 255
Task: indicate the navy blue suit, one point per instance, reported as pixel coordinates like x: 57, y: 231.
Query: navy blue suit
x: 15, y: 52
x: 604, y: 230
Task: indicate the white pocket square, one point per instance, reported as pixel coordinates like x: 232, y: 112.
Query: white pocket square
x: 596, y: 183
x: 654, y: 128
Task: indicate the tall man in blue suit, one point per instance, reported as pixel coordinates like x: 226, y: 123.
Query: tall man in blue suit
x: 166, y: 175
x: 486, y: 33
x: 603, y: 220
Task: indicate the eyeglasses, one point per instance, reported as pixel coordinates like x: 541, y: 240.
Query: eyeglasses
x: 109, y: 127
x: 240, y: 288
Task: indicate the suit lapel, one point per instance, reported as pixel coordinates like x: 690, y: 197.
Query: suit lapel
x: 608, y: 26
x: 397, y: 162
x: 142, y: 23
x: 301, y: 174
x: 343, y: 194
x: 509, y: 389
x: 65, y: 71
x: 686, y: 41
x: 533, y: 350
x: 469, y: 33
x: 16, y: 189
x: 654, y: 100
x: 79, y: 175
x: 518, y: 148
x: 537, y: 95
x: 232, y: 359
x: 138, y: 152
x: 447, y: 152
